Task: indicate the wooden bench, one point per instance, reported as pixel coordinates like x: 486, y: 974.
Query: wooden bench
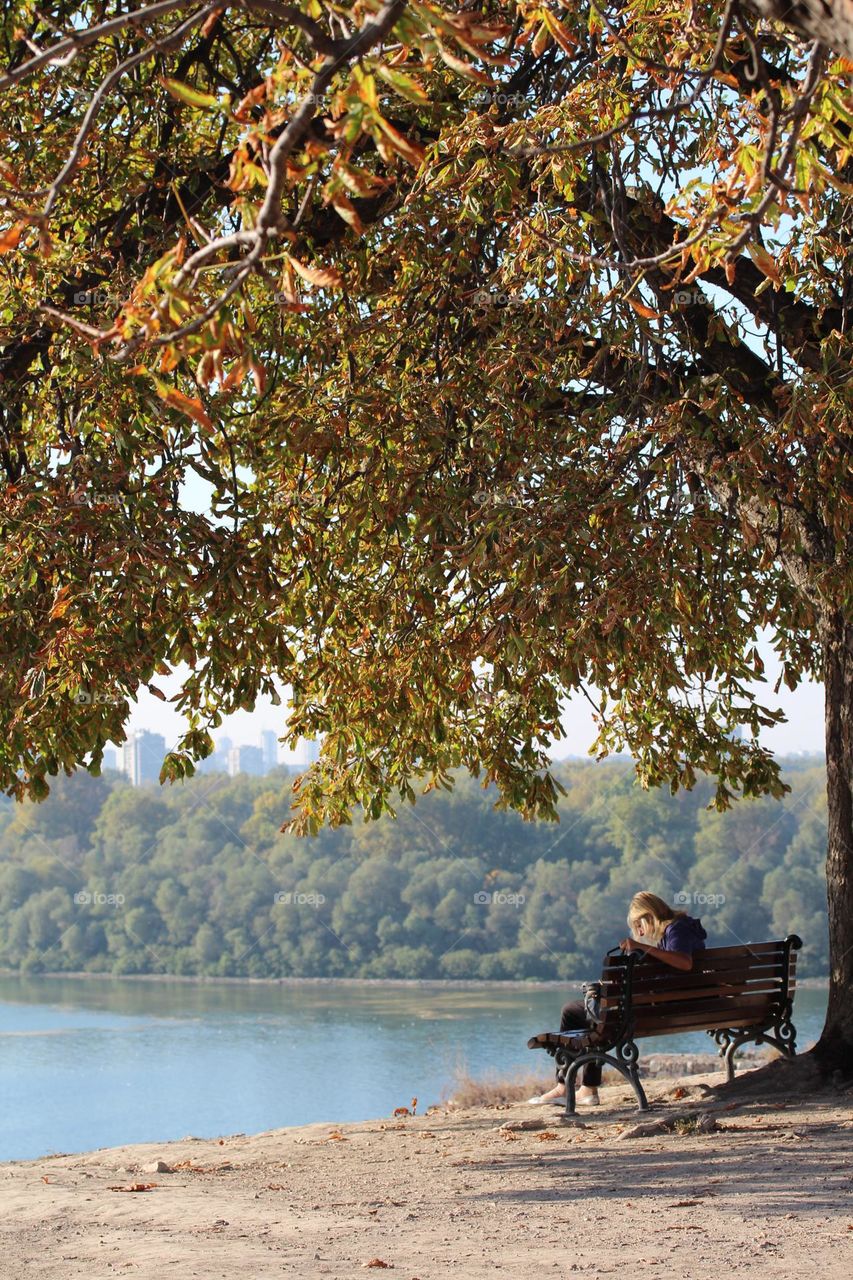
x: 736, y: 994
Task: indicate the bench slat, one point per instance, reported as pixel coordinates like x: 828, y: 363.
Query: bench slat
x: 745, y: 951
x: 701, y: 964
x: 643, y: 999
x: 696, y: 981
x: 734, y: 1024
x: 711, y: 1015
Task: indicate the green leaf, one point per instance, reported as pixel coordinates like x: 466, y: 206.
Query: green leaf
x: 186, y: 93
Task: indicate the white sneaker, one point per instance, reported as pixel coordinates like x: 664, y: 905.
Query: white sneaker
x: 587, y: 1099
x: 542, y: 1100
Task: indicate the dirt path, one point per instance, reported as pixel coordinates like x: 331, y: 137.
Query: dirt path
x: 770, y: 1193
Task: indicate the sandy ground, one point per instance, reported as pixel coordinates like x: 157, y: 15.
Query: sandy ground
x: 769, y: 1193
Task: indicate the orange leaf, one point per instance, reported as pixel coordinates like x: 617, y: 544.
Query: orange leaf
x: 192, y: 408
x: 564, y: 38
x: 464, y: 68
x: 252, y: 98
x: 9, y: 239
x: 642, y: 310
x: 359, y: 181
x: 326, y: 277
x: 411, y: 151
x: 347, y: 210
x: 765, y: 263
x: 259, y: 377
x: 61, y: 603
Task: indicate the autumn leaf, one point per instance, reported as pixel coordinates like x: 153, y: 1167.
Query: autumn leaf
x: 564, y: 38
x: 193, y: 408
x: 466, y: 69
x: 252, y: 99
x: 359, y: 181
x: 347, y: 210
x: 642, y: 310
x: 10, y: 239
x: 411, y: 151
x: 61, y: 603
x: 765, y: 263
x: 325, y: 277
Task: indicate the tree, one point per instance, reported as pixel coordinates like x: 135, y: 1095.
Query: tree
x: 513, y: 343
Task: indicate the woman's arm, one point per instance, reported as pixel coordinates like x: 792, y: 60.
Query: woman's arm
x: 676, y: 959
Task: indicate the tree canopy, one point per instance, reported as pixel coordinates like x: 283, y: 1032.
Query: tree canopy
x: 512, y: 340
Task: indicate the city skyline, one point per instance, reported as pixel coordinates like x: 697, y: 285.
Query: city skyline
x: 141, y: 755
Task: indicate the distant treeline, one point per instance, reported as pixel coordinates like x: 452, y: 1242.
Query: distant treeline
x: 197, y: 879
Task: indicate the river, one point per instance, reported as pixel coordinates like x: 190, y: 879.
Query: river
x: 95, y: 1062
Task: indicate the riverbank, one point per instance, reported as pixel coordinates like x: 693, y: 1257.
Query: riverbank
x: 756, y: 1187
x: 449, y: 984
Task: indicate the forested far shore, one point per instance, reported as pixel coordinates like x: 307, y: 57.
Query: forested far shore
x: 196, y: 879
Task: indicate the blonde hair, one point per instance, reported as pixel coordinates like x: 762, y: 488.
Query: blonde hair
x: 653, y: 913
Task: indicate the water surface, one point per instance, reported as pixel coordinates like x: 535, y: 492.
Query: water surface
x: 90, y: 1063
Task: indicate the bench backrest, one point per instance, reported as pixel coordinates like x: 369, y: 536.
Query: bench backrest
x: 727, y: 987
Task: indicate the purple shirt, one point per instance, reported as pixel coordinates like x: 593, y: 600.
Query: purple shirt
x: 683, y: 934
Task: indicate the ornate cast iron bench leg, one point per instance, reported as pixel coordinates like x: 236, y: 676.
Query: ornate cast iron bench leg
x: 625, y: 1064
x: 781, y: 1034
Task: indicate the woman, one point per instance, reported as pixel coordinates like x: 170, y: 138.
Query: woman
x: 659, y: 930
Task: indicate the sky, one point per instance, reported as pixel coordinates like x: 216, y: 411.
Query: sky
x: 802, y: 732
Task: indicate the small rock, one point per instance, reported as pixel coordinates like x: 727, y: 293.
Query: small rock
x: 157, y: 1166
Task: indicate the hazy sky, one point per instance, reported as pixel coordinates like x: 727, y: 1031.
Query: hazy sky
x: 802, y: 732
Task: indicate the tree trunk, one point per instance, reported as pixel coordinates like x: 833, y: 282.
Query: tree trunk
x: 835, y: 1047
x: 829, y: 21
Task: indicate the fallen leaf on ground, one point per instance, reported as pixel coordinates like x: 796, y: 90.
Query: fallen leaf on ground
x: 336, y: 1136
x: 548, y: 1136
x: 683, y: 1204
x: 377, y: 1262
x: 136, y: 1186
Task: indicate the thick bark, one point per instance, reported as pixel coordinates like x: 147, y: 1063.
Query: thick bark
x: 829, y: 21
x: 835, y: 1047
